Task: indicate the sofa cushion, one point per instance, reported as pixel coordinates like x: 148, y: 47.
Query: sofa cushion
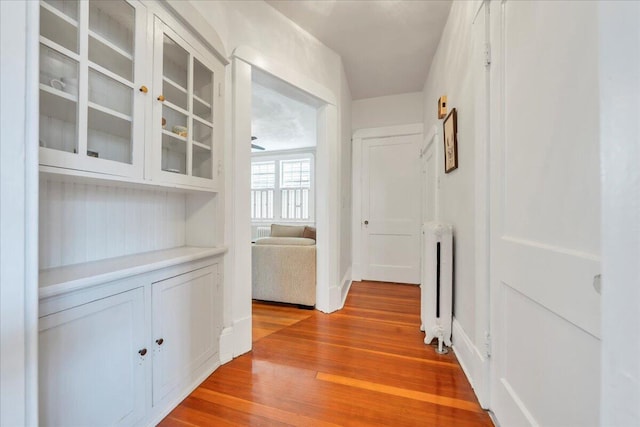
x: 309, y: 233
x: 289, y: 241
x: 278, y: 230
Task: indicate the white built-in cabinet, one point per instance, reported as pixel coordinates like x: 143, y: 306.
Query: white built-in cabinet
x: 124, y: 351
x: 131, y: 214
x: 122, y: 94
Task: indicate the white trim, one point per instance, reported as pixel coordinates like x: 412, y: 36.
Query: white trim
x: 241, y: 330
x: 356, y: 173
x: 345, y: 286
x: 190, y: 17
x: 380, y: 132
x: 226, y: 345
x: 474, y: 365
x: 259, y: 61
x: 19, y: 214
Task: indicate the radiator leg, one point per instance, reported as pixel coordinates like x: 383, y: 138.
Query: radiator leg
x: 441, y: 349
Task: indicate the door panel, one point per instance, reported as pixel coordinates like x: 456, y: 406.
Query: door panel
x: 545, y: 216
x: 391, y: 205
x: 90, y: 371
x: 183, y: 303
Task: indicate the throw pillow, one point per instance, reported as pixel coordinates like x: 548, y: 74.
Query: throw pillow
x: 309, y: 233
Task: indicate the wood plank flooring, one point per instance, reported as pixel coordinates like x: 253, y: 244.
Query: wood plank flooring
x: 365, y: 365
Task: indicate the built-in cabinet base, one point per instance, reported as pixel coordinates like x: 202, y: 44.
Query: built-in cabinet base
x: 125, y: 352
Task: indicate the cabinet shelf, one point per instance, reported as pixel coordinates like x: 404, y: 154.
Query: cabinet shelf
x: 174, y: 135
x: 57, y: 104
x: 174, y: 84
x: 201, y: 145
x: 110, y: 45
x: 57, y: 92
x: 60, y: 280
x: 110, y: 121
x: 202, y: 101
x: 58, y: 13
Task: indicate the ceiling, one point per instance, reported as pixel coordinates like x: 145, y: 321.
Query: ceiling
x: 283, y: 117
x: 386, y: 45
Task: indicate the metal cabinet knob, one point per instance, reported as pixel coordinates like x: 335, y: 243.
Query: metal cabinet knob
x: 161, y: 98
x: 144, y: 89
x: 142, y: 352
x: 366, y: 222
x: 159, y: 341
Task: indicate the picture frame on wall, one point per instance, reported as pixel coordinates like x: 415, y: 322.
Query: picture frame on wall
x: 450, y: 131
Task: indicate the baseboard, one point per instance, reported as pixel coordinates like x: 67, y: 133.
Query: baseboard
x: 473, y: 363
x: 345, y: 286
x: 241, y: 336
x: 226, y: 345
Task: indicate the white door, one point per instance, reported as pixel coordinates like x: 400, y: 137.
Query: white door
x: 545, y: 211
x: 91, y: 363
x: 186, y: 325
x: 391, y: 209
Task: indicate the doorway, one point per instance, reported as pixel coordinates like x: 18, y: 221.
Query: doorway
x: 236, y: 336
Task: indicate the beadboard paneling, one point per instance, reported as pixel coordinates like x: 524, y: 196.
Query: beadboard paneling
x: 85, y: 222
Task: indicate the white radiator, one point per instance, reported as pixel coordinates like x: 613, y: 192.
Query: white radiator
x: 437, y: 282
x: 263, y: 232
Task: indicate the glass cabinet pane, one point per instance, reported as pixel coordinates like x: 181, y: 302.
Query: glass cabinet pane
x: 174, y: 154
x: 175, y: 63
x: 110, y: 93
x: 111, y: 36
x: 58, y: 101
x: 108, y: 136
x: 59, y: 22
x: 201, y: 145
x: 202, y: 91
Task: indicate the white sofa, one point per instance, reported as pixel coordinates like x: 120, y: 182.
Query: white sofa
x: 284, y: 266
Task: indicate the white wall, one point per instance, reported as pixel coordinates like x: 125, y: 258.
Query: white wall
x: 392, y: 110
x: 451, y: 75
x: 619, y: 59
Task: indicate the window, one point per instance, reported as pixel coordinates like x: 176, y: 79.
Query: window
x: 263, y: 181
x: 290, y: 196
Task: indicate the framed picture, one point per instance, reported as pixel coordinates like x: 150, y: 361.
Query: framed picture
x: 450, y: 142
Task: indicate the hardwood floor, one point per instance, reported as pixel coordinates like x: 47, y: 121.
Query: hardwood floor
x: 365, y: 365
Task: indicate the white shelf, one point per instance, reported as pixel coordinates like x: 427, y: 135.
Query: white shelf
x: 109, y: 121
x: 201, y: 145
x: 202, y: 101
x: 57, y: 104
x: 174, y: 84
x: 59, y: 48
x: 58, y: 92
x: 60, y: 174
x: 56, y: 281
x: 110, y: 45
x: 58, y: 13
x: 110, y: 112
x: 174, y: 135
x: 203, y: 121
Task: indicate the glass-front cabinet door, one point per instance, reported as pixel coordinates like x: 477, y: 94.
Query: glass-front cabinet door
x: 92, y: 89
x: 186, y: 112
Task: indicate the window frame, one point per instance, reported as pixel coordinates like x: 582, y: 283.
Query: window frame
x: 277, y: 197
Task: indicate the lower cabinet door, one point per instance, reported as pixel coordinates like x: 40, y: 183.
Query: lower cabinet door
x: 91, y: 362
x: 184, y: 327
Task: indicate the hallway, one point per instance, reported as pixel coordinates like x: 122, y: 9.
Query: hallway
x: 363, y: 365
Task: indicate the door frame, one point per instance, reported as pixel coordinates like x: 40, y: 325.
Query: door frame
x: 359, y: 136
x: 236, y: 335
